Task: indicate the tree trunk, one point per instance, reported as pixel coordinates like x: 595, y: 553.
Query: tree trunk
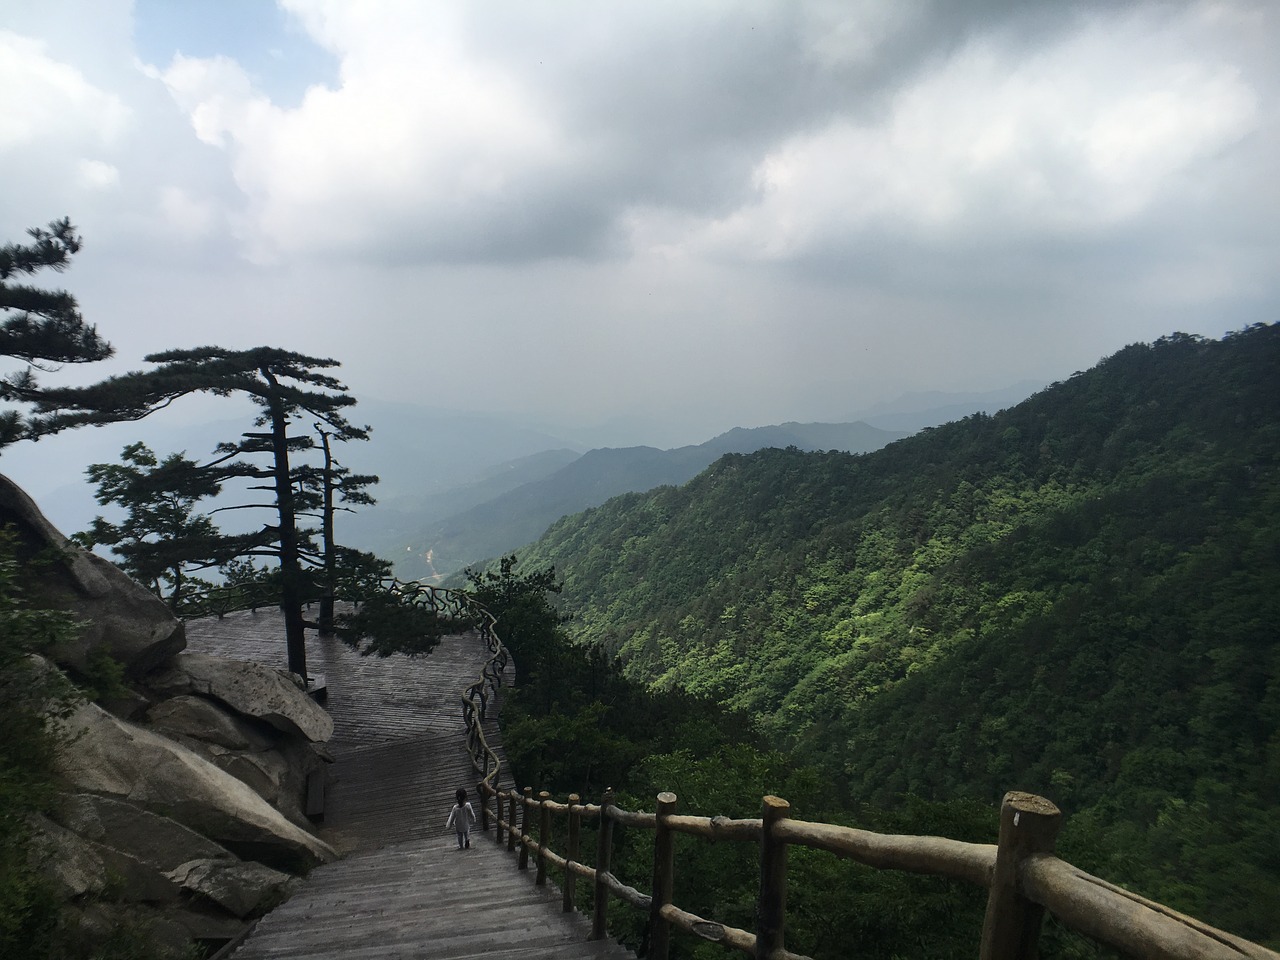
x: 292, y: 587
x: 330, y: 549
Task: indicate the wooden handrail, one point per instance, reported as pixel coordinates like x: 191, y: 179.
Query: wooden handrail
x: 1126, y: 921
x: 937, y: 856
x: 1099, y: 910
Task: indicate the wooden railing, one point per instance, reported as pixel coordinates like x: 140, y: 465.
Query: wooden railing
x: 1020, y: 872
x: 222, y: 599
x: 218, y: 601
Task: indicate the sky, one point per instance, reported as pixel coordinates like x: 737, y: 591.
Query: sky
x: 677, y: 216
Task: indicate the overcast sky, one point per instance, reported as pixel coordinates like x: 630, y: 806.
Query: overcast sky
x: 701, y: 212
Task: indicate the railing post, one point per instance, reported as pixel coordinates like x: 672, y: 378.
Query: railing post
x: 526, y: 802
x: 604, y: 844
x: 570, y: 891
x: 544, y: 837
x: 482, y: 790
x: 771, y: 908
x: 497, y: 802
x: 1011, y: 929
x: 664, y: 850
x: 513, y: 823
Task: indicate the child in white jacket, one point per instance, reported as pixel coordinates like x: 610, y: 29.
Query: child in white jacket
x: 460, y: 818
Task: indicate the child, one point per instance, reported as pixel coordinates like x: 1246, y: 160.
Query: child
x: 460, y: 818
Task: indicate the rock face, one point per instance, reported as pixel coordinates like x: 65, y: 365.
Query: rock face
x: 276, y: 765
x: 251, y: 689
x: 110, y: 757
x: 215, y: 725
x: 181, y: 822
x: 119, y: 616
x: 239, y: 888
x: 157, y: 840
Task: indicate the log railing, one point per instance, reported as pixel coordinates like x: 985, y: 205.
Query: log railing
x: 221, y: 599
x: 1022, y: 876
x: 1020, y: 872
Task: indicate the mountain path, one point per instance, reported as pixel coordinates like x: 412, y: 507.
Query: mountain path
x: 403, y: 890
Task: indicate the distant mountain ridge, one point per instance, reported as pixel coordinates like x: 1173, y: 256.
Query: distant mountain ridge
x: 916, y: 411
x: 520, y: 515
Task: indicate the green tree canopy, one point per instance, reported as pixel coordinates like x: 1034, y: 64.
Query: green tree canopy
x: 162, y: 539
x: 42, y: 328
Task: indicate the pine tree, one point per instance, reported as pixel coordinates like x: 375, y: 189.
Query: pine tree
x: 286, y: 386
x: 162, y: 539
x: 42, y: 328
x: 336, y: 484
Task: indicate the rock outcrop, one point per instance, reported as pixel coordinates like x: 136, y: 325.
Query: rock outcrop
x: 250, y: 689
x: 242, y: 889
x: 110, y: 757
x: 183, y: 805
x: 160, y: 841
x: 117, y: 615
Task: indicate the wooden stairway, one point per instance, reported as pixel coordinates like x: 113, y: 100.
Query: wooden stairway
x: 404, y: 889
x: 425, y: 899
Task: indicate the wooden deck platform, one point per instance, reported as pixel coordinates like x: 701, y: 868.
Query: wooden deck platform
x: 404, y: 889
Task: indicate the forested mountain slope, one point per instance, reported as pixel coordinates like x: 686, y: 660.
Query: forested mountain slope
x: 1079, y: 596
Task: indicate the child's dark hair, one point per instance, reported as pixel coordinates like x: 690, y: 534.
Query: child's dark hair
x: 462, y: 796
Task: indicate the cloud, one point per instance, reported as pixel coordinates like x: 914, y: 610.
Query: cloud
x: 507, y: 132
x: 601, y: 207
x: 1069, y: 139
x: 415, y: 131
x: 755, y: 131
x: 186, y: 216
x: 98, y: 175
x: 50, y: 103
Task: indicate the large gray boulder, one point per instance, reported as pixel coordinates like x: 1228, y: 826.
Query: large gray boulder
x: 192, y: 716
x: 67, y: 860
x: 117, y: 615
x: 114, y: 758
x: 250, y: 689
x: 242, y: 889
x: 159, y: 841
x: 276, y: 765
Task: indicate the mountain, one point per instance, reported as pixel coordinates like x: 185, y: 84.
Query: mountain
x: 520, y: 515
x: 1078, y: 596
x: 384, y: 530
x: 916, y: 411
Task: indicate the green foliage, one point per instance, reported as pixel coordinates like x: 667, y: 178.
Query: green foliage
x: 385, y: 621
x: 31, y: 693
x: 103, y: 677
x: 1077, y: 597
x: 28, y: 907
x: 162, y: 539
x: 526, y: 620
x: 39, y: 326
x: 574, y: 723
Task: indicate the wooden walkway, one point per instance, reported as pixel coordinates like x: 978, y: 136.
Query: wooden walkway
x: 404, y: 890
